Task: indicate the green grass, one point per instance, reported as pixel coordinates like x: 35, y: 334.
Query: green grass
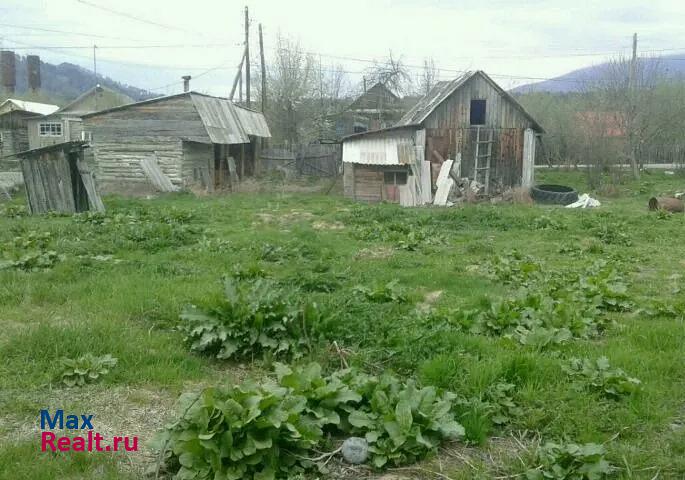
x: 121, y: 285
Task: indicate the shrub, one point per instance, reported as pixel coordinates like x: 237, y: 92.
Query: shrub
x: 85, y: 369
x: 270, y: 430
x: 570, y: 461
x: 33, y: 261
x: 599, y: 376
x: 256, y: 316
x: 388, y: 292
x: 401, y: 422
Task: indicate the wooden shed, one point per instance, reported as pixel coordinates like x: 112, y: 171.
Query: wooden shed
x: 178, y: 141
x: 471, y: 116
x: 57, y: 179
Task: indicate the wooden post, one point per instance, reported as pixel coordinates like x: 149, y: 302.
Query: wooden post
x: 261, y: 56
x: 247, y: 57
x: 632, y: 108
x: 237, y: 76
x: 242, y: 161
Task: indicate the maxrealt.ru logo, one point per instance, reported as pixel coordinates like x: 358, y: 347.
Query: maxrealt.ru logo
x: 90, y: 441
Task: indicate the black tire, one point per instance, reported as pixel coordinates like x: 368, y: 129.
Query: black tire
x: 553, y: 194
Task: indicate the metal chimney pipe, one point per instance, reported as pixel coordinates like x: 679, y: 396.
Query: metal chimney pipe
x: 186, y: 82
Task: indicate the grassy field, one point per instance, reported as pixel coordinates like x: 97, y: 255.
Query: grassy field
x: 116, y: 284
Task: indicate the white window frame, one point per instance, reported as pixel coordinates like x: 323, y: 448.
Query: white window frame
x: 50, y: 129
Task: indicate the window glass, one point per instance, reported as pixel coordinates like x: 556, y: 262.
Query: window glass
x: 50, y: 129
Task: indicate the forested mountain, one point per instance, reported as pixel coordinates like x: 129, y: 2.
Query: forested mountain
x: 66, y: 81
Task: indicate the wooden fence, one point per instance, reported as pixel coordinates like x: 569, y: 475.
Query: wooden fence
x: 318, y: 160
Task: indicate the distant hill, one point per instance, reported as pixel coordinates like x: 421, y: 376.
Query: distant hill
x: 66, y: 81
x: 673, y: 66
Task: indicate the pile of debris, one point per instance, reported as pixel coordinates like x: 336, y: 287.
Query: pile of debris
x: 454, y: 189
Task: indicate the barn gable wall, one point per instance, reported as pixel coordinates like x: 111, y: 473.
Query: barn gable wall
x: 448, y: 132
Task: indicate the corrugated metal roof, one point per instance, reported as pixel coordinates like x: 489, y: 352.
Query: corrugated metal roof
x: 435, y: 97
x: 254, y: 123
x: 12, y: 104
x: 220, y: 119
x: 442, y: 90
x: 228, y: 123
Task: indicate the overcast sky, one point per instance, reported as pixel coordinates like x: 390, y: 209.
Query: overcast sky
x: 514, y: 41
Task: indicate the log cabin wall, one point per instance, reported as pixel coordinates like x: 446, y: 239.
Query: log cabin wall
x: 122, y: 137
x: 13, y: 139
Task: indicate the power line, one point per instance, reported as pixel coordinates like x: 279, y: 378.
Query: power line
x: 52, y: 30
x: 140, y: 19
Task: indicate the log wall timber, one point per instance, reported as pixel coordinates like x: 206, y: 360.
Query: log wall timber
x: 14, y: 140
x: 121, y: 138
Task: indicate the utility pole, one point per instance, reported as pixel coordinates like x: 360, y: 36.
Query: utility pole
x: 632, y: 107
x: 633, y: 64
x: 247, y: 57
x: 95, y: 65
x: 237, y: 77
x: 261, y: 56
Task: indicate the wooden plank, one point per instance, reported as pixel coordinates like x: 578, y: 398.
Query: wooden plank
x: 94, y: 200
x: 444, y: 188
x: 158, y: 179
x: 233, y: 173
x: 528, y: 172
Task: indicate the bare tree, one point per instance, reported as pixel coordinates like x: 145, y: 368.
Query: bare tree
x: 304, y: 94
x: 291, y: 80
x: 644, y: 109
x: 392, y: 73
x: 428, y: 76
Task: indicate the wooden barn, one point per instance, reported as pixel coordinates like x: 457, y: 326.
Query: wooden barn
x: 64, y: 125
x: 14, y: 137
x: 470, y: 116
x: 188, y: 140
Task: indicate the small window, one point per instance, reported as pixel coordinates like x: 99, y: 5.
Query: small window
x: 359, y: 128
x: 395, y: 178
x: 477, y: 112
x: 50, y: 129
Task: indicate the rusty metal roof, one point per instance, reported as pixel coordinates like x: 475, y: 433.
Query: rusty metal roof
x: 442, y: 90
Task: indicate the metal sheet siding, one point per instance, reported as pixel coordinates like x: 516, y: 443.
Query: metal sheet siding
x: 378, y: 149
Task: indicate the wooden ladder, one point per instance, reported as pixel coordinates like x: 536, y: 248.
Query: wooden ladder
x: 478, y: 156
